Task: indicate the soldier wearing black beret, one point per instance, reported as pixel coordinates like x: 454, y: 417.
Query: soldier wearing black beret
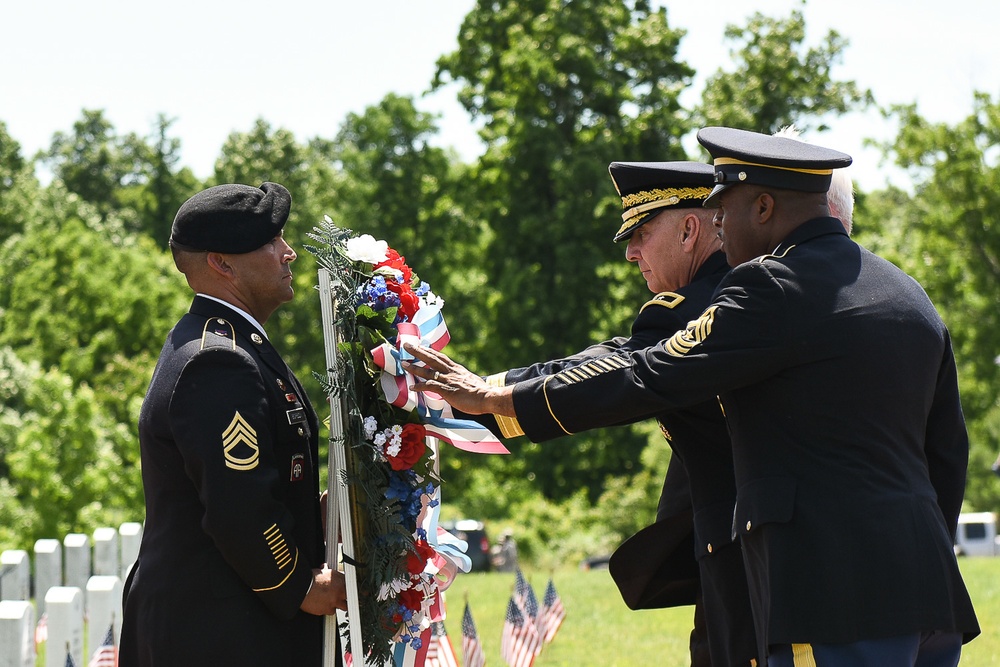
x: 231, y: 565
x: 838, y: 381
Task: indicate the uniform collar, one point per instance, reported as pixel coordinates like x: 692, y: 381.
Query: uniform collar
x: 247, y: 316
x: 810, y: 230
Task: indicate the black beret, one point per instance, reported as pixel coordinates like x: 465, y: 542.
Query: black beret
x: 231, y: 218
x: 762, y: 159
x: 646, y: 188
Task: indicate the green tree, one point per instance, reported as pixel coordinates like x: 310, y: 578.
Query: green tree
x: 127, y: 179
x: 777, y: 81
x: 61, y: 464
x: 90, y: 161
x: 96, y: 308
x: 18, y: 186
x: 947, y: 236
x: 561, y: 90
x: 395, y: 186
x: 157, y: 185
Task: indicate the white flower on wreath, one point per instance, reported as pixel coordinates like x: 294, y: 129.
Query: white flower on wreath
x: 432, y: 299
x: 365, y: 248
x: 392, y: 589
x: 370, y: 426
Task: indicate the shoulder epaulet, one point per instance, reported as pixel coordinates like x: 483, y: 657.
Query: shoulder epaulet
x: 666, y: 299
x: 218, y: 333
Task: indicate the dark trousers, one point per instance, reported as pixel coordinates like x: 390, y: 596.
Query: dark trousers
x: 928, y: 649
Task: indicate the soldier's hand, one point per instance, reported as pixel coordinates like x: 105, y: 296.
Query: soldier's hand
x: 462, y: 388
x: 327, y: 595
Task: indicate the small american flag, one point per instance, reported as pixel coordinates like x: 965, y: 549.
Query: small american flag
x: 440, y: 652
x: 525, y: 596
x: 520, y: 642
x: 106, y: 654
x: 552, y: 614
x: 472, y: 650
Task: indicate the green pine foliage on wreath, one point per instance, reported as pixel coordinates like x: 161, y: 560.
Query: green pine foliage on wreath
x: 386, y: 500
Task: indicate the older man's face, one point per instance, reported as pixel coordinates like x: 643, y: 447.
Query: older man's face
x: 656, y: 247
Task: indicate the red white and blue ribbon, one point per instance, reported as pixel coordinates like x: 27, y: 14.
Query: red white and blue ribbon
x: 428, y: 328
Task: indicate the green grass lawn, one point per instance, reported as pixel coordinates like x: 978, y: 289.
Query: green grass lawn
x: 600, y: 630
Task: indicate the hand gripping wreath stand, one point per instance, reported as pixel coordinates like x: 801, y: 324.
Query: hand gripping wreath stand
x: 341, y: 526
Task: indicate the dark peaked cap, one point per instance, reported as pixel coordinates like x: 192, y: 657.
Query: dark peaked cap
x: 761, y: 159
x: 646, y: 188
x: 231, y: 218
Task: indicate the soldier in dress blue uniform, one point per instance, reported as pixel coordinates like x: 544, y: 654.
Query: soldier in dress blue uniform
x: 231, y: 566
x: 839, y: 386
x: 688, y: 557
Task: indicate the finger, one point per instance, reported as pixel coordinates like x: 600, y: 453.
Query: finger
x: 428, y: 355
x: 425, y: 373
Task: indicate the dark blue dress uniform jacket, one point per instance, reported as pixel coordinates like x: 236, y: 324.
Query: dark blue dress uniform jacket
x: 233, y: 527
x: 689, y: 552
x: 839, y: 385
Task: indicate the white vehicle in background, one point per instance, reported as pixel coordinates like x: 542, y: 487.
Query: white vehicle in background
x: 977, y: 535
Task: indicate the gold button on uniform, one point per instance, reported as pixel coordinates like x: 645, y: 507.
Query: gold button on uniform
x: 302, y: 431
x: 748, y: 525
x: 709, y: 547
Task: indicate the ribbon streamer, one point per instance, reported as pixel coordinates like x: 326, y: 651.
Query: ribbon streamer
x: 428, y: 329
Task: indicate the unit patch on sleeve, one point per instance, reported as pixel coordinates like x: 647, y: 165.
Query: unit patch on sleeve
x: 697, y: 330
x: 239, y: 443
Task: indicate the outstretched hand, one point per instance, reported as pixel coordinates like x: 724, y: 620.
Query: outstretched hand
x: 456, y: 384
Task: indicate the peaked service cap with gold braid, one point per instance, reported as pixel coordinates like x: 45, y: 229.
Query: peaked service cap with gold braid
x: 646, y: 188
x: 742, y: 157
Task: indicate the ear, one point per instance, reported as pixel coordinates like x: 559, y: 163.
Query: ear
x: 219, y: 263
x: 690, y: 230
x: 763, y: 207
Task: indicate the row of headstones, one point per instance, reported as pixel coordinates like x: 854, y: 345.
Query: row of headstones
x: 86, y: 588
x: 64, y: 624
x: 114, y: 551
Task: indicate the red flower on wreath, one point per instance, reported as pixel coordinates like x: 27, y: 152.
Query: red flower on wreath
x: 417, y: 561
x: 411, y: 598
x: 402, y: 288
x: 396, y: 261
x: 411, y: 448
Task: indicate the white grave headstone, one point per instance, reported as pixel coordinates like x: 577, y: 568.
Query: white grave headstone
x: 48, y: 569
x: 131, y: 535
x: 15, y: 575
x: 76, y: 553
x: 104, y: 607
x: 106, y: 552
x: 17, y: 633
x: 64, y: 606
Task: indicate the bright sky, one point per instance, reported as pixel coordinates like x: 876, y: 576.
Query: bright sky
x: 218, y: 65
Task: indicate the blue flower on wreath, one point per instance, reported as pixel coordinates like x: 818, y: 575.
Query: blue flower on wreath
x: 376, y: 294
